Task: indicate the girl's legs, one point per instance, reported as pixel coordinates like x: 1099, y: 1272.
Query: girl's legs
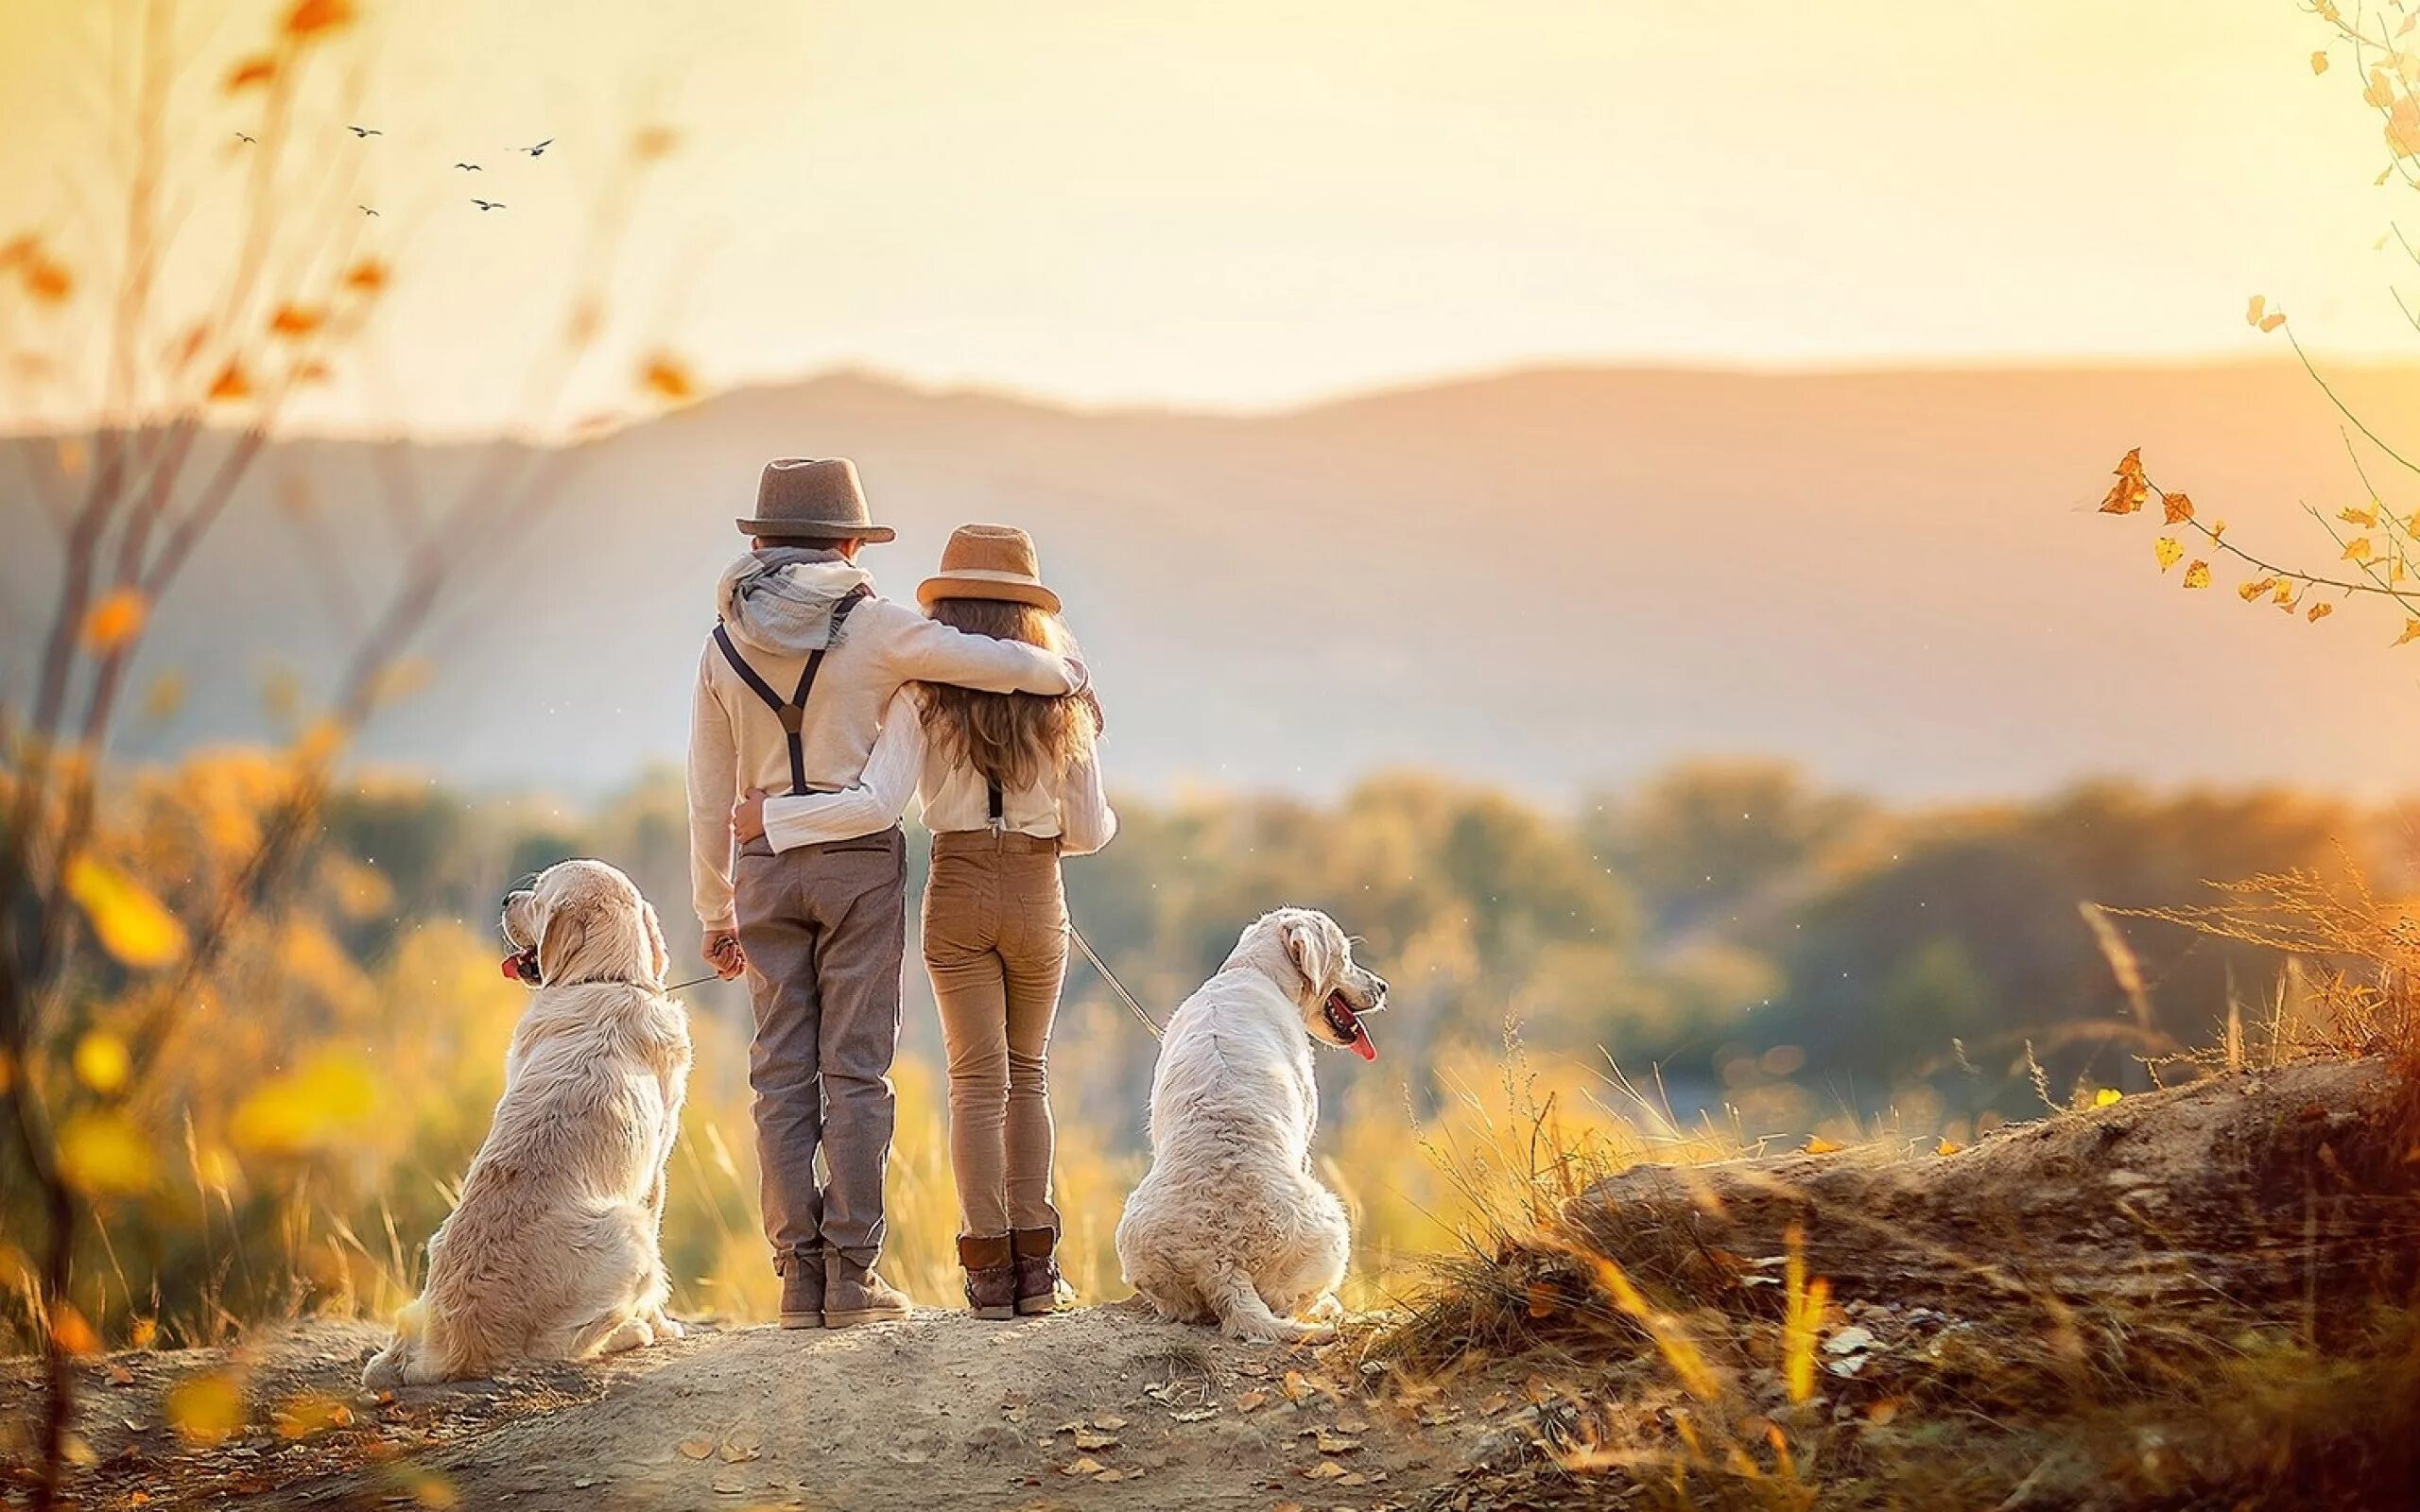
x: 961, y: 953
x: 1033, y: 953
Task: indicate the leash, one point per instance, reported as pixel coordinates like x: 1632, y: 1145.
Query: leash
x: 1101, y: 968
x: 695, y: 981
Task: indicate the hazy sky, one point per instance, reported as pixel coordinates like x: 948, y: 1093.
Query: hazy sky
x: 1247, y: 202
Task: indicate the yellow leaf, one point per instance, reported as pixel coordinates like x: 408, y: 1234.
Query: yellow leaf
x: 103, y: 1153
x: 1947, y: 1146
x: 2411, y: 632
x: 2273, y: 323
x: 308, y: 1107
x: 2254, y: 589
x: 311, y: 1413
x: 697, y: 1447
x: 2319, y: 63
x: 2357, y: 549
x: 2253, y: 312
x: 2365, y: 518
x: 2403, y: 130
x: 2198, y: 574
x: 2380, y: 93
x: 2168, y: 550
x: 2285, y: 594
x: 205, y: 1409
x: 293, y: 320
x: 115, y: 620
x: 1818, y: 1144
x: 2105, y: 1096
x: 131, y: 923
x: 2218, y: 530
x: 47, y: 281
x: 101, y: 1062
x: 2321, y: 610
x: 2177, y: 506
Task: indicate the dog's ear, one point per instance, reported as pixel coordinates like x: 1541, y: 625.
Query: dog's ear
x: 562, y: 935
x: 1308, y: 942
x: 659, y: 960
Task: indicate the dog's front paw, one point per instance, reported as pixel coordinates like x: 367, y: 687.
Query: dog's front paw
x: 666, y: 1329
x: 1326, y: 1310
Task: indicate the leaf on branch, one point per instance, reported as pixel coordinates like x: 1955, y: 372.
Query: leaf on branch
x: 2380, y: 95
x: 2130, y: 489
x: 251, y: 72
x: 312, y: 17
x: 2169, y: 550
x: 115, y: 620
x: 2409, y: 22
x: 231, y: 384
x: 2256, y: 588
x: 2198, y: 574
x: 131, y: 924
x: 2366, y: 519
x: 2255, y: 309
x: 2286, y: 591
x: 2403, y: 128
x: 2357, y: 549
x: 2177, y: 507
x: 2218, y: 530
x: 2411, y: 632
x: 2275, y: 319
x: 294, y: 321
x: 2319, y: 63
x: 2321, y: 610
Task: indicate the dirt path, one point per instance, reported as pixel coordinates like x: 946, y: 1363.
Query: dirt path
x: 1098, y: 1407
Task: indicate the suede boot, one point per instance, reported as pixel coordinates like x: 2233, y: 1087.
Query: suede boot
x: 991, y: 1271
x: 802, y: 1291
x: 1037, y: 1272
x: 853, y: 1294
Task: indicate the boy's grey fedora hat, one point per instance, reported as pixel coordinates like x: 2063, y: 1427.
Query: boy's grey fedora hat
x: 802, y: 496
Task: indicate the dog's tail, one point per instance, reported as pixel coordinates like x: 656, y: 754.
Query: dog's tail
x: 1242, y: 1314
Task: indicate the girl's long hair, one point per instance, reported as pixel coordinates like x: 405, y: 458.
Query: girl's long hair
x: 1014, y: 739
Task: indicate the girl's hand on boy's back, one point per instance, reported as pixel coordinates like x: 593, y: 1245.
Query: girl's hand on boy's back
x: 748, y: 816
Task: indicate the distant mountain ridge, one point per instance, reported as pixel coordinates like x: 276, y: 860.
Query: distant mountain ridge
x: 1540, y: 578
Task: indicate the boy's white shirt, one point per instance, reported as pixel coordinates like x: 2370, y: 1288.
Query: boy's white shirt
x: 736, y: 742
x: 1073, y: 808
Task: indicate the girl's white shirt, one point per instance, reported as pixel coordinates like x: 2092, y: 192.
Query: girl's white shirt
x: 1072, y: 807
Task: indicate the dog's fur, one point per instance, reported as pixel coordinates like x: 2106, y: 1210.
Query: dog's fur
x: 1229, y: 1222
x: 553, y: 1251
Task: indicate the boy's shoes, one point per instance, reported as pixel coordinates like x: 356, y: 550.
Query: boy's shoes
x: 1038, y: 1282
x: 853, y: 1294
x: 802, y: 1292
x: 991, y: 1275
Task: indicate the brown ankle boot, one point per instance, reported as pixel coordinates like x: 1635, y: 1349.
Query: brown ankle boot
x: 991, y: 1275
x: 1037, y: 1273
x: 853, y: 1294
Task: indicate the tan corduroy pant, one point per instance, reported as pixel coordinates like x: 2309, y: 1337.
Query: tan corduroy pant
x: 995, y: 943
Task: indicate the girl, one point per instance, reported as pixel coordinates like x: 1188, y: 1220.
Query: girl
x: 1009, y: 782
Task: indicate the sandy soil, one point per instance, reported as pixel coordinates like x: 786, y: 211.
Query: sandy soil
x: 1097, y: 1407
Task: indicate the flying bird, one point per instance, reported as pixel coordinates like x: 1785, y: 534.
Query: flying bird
x: 539, y: 150
x: 470, y: 167
x: 365, y: 130
x: 244, y: 136
x: 488, y: 204
x: 366, y: 211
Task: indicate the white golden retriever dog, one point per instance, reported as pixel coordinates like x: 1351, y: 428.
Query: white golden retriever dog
x: 552, y: 1252
x: 1229, y: 1223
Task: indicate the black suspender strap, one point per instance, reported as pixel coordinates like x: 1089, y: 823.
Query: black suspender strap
x: 792, y: 713
x: 999, y: 807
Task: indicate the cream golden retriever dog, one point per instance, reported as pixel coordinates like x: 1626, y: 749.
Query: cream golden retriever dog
x: 552, y: 1252
x: 1229, y: 1223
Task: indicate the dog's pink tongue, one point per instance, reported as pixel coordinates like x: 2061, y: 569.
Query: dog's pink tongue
x: 512, y: 968
x: 1363, y: 1045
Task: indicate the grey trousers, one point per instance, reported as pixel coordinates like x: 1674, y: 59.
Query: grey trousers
x: 824, y: 928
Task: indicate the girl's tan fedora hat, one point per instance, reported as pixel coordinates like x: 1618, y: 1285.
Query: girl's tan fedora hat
x: 989, y: 561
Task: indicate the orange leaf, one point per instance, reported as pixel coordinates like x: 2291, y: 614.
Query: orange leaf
x: 115, y: 620
x: 2178, y: 508
x: 2403, y: 128
x: 2365, y: 518
x: 2254, y: 589
x: 312, y: 17
x: 369, y: 276
x: 2358, y: 550
x: 2321, y: 610
x: 2166, y: 549
x: 2319, y: 63
x: 2380, y: 95
x: 296, y: 319
x: 1818, y: 1144
x: 2125, y: 497
x: 653, y: 143
x: 664, y: 376
x: 2286, y: 591
x: 2253, y: 311
x: 47, y: 281
x: 251, y: 73
x: 2411, y: 632
x: 2273, y: 323
x: 2198, y: 574
x: 2218, y: 529
x: 74, y: 1335
x: 230, y: 383
x: 1947, y: 1146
